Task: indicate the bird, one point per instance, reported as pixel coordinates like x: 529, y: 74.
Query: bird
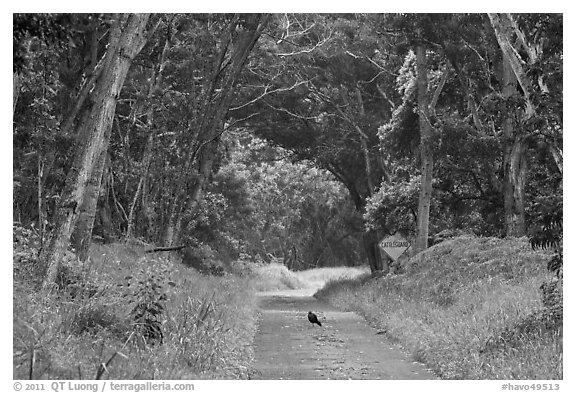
x: 313, y: 318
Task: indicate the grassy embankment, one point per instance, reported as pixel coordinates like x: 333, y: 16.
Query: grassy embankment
x: 469, y: 308
x: 142, y: 315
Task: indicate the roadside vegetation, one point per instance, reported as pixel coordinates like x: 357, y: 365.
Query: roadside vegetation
x: 275, y: 276
x: 125, y: 314
x: 469, y: 308
x: 270, y: 276
x: 128, y: 314
x: 318, y: 277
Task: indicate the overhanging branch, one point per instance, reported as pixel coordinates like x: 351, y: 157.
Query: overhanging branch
x: 268, y: 92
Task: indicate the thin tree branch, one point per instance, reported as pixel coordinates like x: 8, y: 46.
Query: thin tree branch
x: 344, y: 116
x: 83, y: 94
x: 381, y: 68
x: 268, y: 92
x: 436, y: 95
x: 290, y: 113
x: 309, y: 50
x: 240, y: 120
x: 383, y: 93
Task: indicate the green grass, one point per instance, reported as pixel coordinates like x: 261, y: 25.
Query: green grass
x: 207, y: 322
x: 454, y: 300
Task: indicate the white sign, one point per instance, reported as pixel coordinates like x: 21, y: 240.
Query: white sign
x: 394, y: 246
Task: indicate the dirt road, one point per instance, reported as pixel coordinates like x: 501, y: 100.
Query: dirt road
x: 287, y: 346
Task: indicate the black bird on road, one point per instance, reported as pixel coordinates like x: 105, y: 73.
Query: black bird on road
x: 313, y: 318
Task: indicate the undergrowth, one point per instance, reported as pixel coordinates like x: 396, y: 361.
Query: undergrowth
x: 125, y: 314
x: 469, y: 308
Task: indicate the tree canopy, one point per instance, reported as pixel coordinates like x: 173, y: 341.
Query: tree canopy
x: 300, y: 137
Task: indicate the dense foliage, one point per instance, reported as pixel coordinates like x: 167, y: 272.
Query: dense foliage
x: 291, y: 136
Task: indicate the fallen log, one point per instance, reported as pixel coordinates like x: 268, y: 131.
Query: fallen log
x: 157, y: 249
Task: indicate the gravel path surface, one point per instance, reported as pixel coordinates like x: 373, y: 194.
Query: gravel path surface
x: 287, y: 346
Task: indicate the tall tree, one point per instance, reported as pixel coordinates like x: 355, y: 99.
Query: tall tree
x: 422, y: 33
x: 127, y: 37
x: 220, y: 85
x: 514, y: 44
x: 155, y: 86
x: 338, y: 91
x: 426, y: 156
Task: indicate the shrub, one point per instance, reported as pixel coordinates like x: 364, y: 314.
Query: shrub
x: 203, y: 259
x: 146, y: 295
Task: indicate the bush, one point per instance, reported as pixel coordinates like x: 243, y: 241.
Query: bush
x: 146, y: 295
x: 203, y: 259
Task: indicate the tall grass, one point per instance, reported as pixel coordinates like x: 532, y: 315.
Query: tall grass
x: 195, y: 326
x: 457, y: 298
x: 318, y: 277
x: 276, y: 276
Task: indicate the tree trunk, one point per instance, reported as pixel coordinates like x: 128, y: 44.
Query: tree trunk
x: 173, y: 222
x: 220, y: 91
x: 82, y: 234
x: 204, y: 170
x: 169, y: 233
x: 150, y: 215
x: 16, y: 85
x: 148, y: 150
x: 369, y: 239
x: 145, y: 166
x: 558, y: 156
x: 506, y: 34
x: 193, y: 196
x: 126, y: 40
x: 515, y: 168
x: 426, y: 157
x: 512, y: 42
x: 84, y: 92
x: 105, y: 218
x: 372, y: 249
x: 40, y: 193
